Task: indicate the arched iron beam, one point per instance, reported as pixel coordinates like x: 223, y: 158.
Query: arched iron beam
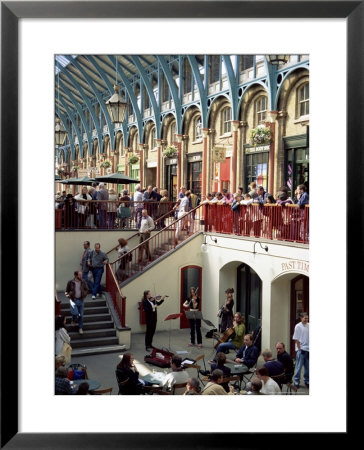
x: 271, y: 71
x: 232, y: 86
x: 110, y: 66
x: 173, y: 89
x: 64, y: 121
x: 201, y: 89
x: 133, y: 100
x: 97, y: 83
x: 304, y: 66
x: 150, y: 92
x: 100, y: 100
x: 85, y: 99
x: 110, y: 87
x: 79, y: 111
x: 73, y: 150
x: 248, y: 86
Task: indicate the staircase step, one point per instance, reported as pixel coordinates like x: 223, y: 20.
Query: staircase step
x: 94, y: 342
x: 90, y: 334
x: 79, y: 352
x: 102, y: 325
x: 87, y: 303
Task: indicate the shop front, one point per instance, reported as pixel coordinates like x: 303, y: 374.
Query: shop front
x: 194, y: 173
x: 297, y: 161
x: 256, y: 166
x: 171, y: 178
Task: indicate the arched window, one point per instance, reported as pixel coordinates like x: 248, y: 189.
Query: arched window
x: 226, y: 120
x: 153, y: 142
x: 261, y: 109
x: 303, y: 100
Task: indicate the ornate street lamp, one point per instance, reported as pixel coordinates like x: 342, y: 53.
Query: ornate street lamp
x: 277, y: 60
x: 116, y: 106
x: 60, y: 132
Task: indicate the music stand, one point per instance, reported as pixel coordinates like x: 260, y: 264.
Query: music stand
x: 172, y: 317
x: 193, y: 315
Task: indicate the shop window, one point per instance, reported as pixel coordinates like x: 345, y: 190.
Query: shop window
x: 256, y: 169
x: 260, y: 110
x: 226, y: 120
x: 303, y: 100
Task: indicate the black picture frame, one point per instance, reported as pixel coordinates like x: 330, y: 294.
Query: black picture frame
x: 11, y: 12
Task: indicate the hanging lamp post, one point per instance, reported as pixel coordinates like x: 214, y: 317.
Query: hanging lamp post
x: 60, y: 132
x: 116, y: 105
x: 277, y: 60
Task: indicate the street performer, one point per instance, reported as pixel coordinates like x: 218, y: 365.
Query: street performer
x: 150, y: 305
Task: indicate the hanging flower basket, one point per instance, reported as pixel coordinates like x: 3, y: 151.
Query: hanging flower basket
x: 60, y: 171
x: 105, y: 164
x: 133, y: 159
x: 75, y: 168
x: 170, y: 151
x: 261, y: 135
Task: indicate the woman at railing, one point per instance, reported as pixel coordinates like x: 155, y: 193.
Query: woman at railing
x: 121, y: 273
x: 164, y: 208
x: 82, y: 207
x: 69, y: 209
x: 124, y: 210
x: 112, y: 206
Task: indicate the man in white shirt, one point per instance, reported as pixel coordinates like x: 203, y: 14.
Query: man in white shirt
x: 138, y: 203
x: 177, y: 376
x: 302, y: 347
x: 146, y: 226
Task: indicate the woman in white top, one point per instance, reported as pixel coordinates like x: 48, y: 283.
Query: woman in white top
x: 82, y: 207
x: 121, y: 273
x: 269, y: 385
x: 61, y: 334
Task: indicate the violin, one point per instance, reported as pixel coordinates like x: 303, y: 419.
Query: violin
x: 158, y: 297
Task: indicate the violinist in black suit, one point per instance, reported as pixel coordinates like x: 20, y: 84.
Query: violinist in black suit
x: 150, y: 305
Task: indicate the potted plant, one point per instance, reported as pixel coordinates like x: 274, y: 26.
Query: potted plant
x: 75, y: 168
x: 261, y: 135
x: 170, y: 151
x: 105, y: 164
x: 133, y: 159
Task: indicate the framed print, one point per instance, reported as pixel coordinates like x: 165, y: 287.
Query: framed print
x: 25, y: 134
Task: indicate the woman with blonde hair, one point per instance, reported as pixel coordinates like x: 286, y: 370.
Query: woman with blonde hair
x: 122, y: 251
x: 112, y: 207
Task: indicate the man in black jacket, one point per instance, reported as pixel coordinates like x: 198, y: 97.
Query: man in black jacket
x: 150, y: 308
x: 286, y: 360
x: 76, y: 291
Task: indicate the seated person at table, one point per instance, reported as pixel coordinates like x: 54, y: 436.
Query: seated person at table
x: 60, y: 361
x: 269, y: 385
x: 126, y: 370
x: 286, y: 360
x: 63, y: 386
x: 255, y: 386
x: 274, y: 367
x: 177, y: 376
x: 238, y: 338
x: 83, y: 389
x: 192, y: 387
x: 213, y: 387
x: 248, y: 354
x: 220, y: 361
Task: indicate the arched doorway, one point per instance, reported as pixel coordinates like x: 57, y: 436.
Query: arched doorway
x: 249, y: 296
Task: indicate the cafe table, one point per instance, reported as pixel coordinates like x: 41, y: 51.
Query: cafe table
x: 93, y: 384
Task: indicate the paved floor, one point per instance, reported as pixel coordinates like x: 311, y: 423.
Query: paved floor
x: 102, y: 367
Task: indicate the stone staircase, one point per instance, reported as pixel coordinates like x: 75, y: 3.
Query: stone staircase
x: 99, y: 334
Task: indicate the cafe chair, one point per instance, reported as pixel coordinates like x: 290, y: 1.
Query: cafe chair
x: 202, y: 373
x: 102, y: 391
x: 177, y: 388
x: 279, y: 379
x: 150, y: 390
x: 122, y: 384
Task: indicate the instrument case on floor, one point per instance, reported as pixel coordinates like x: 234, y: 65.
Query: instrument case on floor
x: 159, y: 357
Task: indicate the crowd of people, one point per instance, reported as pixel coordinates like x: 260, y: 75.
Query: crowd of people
x: 99, y: 207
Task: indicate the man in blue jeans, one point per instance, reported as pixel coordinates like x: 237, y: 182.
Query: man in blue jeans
x: 84, y: 264
x: 301, y: 338
x: 97, y: 260
x: 76, y: 291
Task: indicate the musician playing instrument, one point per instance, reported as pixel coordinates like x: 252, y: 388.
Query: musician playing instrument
x: 238, y: 339
x: 226, y: 311
x: 193, y: 303
x: 150, y: 305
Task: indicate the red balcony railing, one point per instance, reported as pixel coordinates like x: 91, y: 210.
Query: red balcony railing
x: 269, y: 221
x: 116, y: 295
x: 109, y: 215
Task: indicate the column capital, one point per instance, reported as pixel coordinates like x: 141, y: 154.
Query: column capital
x: 243, y: 123
x: 235, y: 124
x: 272, y: 116
x: 159, y: 142
x: 179, y: 138
x: 282, y: 114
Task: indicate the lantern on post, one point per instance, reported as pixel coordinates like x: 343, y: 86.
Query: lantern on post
x: 60, y: 132
x: 116, y: 106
